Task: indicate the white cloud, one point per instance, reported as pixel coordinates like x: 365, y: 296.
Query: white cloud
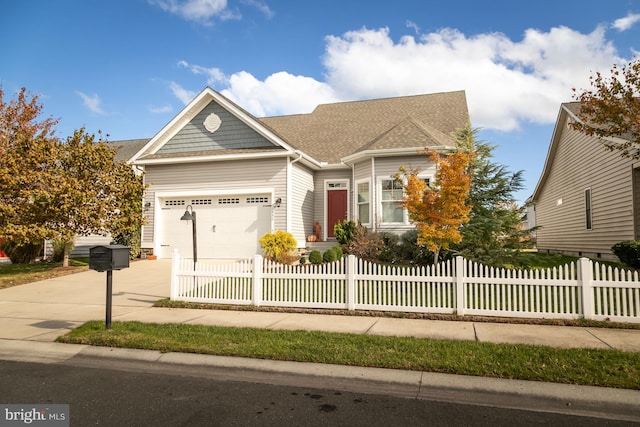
x: 413, y: 26
x: 214, y: 75
x: 623, y: 24
x: 92, y: 102
x: 261, y: 6
x: 201, y: 11
x: 507, y: 82
x: 184, y: 95
x: 280, y: 93
x: 161, y: 110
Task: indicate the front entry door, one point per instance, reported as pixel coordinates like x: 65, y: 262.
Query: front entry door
x: 336, y: 209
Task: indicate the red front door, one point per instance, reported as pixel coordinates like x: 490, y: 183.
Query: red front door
x: 336, y: 209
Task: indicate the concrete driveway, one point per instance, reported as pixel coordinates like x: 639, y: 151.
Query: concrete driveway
x: 42, y: 311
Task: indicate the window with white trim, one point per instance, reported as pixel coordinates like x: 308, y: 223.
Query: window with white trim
x: 364, y: 202
x: 391, y: 201
x: 587, y: 209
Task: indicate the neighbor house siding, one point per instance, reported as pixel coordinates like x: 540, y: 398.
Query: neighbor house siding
x: 218, y: 178
x: 232, y: 134
x: 302, y: 201
x: 580, y: 163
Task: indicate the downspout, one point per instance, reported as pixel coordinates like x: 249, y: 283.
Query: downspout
x: 289, y: 187
x: 352, y: 195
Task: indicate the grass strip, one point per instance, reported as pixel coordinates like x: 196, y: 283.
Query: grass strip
x: 605, y: 368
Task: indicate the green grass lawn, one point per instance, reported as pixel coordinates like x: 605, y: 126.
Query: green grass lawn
x: 19, y: 274
x: 609, y: 368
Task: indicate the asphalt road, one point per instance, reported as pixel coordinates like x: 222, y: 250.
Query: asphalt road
x: 113, y: 397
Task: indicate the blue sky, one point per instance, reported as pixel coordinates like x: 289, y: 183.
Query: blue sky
x: 127, y: 67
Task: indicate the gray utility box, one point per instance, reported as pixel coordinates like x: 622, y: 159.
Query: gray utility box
x: 109, y: 257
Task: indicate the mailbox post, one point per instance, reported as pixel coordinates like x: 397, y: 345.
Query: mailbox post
x: 108, y: 258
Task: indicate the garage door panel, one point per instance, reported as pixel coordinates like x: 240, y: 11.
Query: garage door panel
x: 228, y: 227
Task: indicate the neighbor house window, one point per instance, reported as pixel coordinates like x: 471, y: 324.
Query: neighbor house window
x: 587, y: 208
x: 364, y: 202
x: 391, y: 198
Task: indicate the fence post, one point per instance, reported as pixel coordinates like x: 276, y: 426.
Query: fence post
x: 351, y: 282
x: 175, y: 264
x: 585, y: 279
x: 257, y: 280
x: 460, y: 279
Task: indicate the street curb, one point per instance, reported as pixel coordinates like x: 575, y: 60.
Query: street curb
x: 414, y: 384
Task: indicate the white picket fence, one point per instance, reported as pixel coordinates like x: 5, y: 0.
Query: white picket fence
x: 584, y: 289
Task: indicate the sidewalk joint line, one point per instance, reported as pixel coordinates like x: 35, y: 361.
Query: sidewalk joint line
x: 599, y: 339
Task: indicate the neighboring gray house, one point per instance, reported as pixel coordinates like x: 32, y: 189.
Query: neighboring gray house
x: 587, y: 198
x: 245, y: 176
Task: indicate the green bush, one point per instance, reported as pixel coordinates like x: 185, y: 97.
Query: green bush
x: 22, y: 253
x: 279, y: 246
x: 628, y: 252
x: 329, y: 255
x: 303, y: 260
x: 131, y: 240
x: 338, y: 251
x: 315, y: 257
x: 344, y: 231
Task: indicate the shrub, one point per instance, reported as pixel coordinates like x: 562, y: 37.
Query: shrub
x: 303, y: 260
x: 315, y: 257
x: 131, y: 240
x: 344, y: 231
x: 329, y: 255
x: 338, y: 251
x: 628, y: 252
x: 22, y: 253
x: 364, y: 244
x: 279, y: 246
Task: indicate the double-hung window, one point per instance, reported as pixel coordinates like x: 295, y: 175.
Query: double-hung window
x: 391, y: 201
x: 364, y: 202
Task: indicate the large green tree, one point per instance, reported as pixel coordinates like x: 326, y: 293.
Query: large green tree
x: 611, y: 108
x: 494, y: 232
x: 55, y: 189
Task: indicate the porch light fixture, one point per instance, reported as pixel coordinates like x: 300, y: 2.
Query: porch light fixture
x: 278, y: 202
x: 190, y: 215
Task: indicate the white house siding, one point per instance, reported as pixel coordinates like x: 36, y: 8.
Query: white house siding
x: 302, y: 201
x: 579, y: 163
x: 385, y: 168
x: 216, y: 178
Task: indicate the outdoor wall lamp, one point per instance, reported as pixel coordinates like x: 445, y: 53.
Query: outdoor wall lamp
x: 278, y: 202
x: 190, y: 215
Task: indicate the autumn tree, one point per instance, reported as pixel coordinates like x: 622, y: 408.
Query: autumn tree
x: 611, y: 108
x: 94, y: 194
x: 27, y: 146
x: 53, y: 189
x: 438, y: 210
x: 494, y: 233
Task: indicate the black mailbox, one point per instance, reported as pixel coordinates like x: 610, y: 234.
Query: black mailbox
x: 109, y: 257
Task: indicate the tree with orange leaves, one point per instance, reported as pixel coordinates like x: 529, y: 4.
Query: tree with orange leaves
x: 438, y: 210
x: 612, y: 109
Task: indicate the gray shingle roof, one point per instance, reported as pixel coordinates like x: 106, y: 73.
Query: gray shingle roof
x: 127, y: 148
x: 334, y: 131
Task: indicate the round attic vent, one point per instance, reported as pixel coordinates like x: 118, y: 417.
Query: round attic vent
x: 212, y: 122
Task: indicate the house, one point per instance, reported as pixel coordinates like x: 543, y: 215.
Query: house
x: 587, y: 198
x: 245, y: 176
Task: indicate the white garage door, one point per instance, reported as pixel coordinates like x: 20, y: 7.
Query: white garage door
x: 227, y: 227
